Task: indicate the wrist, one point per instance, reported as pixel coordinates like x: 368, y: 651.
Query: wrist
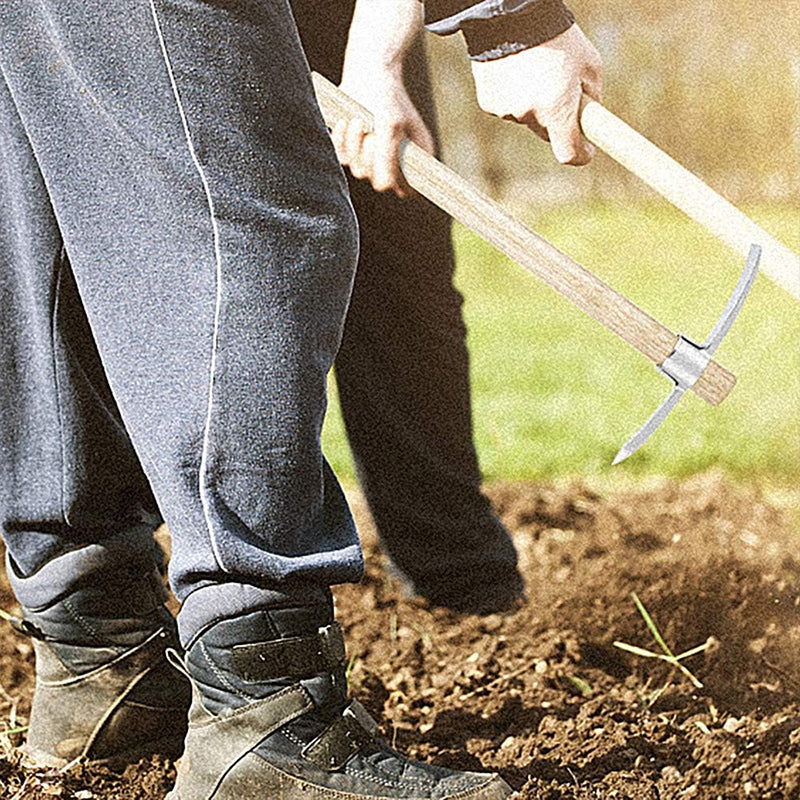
x: 372, y: 63
x: 375, y: 78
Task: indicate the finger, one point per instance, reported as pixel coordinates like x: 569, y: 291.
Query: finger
x: 386, y: 167
x: 355, y: 136
x: 338, y: 133
x: 566, y: 139
x: 570, y: 148
x: 592, y: 81
x: 530, y: 122
x: 593, y: 75
x: 420, y: 134
x: 362, y: 165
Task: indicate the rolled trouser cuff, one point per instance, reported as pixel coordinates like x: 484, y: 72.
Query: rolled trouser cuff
x: 213, y: 603
x: 126, y: 559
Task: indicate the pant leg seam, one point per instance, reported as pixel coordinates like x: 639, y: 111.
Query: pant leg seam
x: 218, y: 266
x: 60, y: 261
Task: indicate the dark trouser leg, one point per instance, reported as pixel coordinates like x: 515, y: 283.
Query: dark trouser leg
x: 403, y: 377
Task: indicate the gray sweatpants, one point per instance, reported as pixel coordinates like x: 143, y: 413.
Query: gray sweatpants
x: 177, y: 250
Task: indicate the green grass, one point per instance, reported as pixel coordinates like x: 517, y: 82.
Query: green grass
x: 555, y: 394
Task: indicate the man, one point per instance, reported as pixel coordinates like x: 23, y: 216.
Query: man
x: 402, y: 368
x: 177, y: 248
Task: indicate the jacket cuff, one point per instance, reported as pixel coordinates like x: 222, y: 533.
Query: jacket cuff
x: 489, y: 39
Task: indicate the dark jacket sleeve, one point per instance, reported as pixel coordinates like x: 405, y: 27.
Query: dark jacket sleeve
x: 497, y: 28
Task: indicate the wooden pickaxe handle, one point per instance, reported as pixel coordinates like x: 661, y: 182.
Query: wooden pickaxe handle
x: 686, y: 191
x: 463, y: 202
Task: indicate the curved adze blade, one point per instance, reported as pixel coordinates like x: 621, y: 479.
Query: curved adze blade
x: 688, y: 360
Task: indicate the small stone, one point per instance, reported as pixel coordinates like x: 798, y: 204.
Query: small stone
x: 671, y: 774
x: 562, y: 536
x: 508, y: 743
x: 749, y: 539
x: 732, y: 725
x: 492, y: 623
x: 758, y: 645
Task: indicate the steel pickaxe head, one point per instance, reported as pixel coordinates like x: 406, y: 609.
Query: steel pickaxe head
x: 688, y: 360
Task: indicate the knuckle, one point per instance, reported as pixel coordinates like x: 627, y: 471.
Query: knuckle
x: 394, y: 129
x: 574, y: 157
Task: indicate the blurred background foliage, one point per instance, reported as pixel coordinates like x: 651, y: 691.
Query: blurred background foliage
x: 715, y: 83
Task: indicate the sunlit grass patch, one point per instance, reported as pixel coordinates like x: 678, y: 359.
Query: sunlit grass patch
x: 556, y: 394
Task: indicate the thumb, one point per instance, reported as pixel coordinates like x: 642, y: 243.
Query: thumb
x: 566, y: 139
x: 419, y: 133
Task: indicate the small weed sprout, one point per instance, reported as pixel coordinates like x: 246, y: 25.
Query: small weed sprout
x: 351, y: 662
x: 7, y: 736
x: 647, y: 698
x: 667, y: 655
x: 581, y: 685
x: 424, y: 635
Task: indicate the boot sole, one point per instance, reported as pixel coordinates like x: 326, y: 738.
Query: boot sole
x: 171, y: 748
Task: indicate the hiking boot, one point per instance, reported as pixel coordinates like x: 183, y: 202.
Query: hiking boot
x: 270, y: 718
x: 104, y: 690
x: 115, y: 714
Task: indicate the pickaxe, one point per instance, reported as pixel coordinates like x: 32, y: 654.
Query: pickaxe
x: 690, y: 366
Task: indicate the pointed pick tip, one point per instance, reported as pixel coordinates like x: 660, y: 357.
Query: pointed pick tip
x: 621, y: 455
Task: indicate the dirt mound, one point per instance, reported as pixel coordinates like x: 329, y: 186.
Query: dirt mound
x: 543, y: 696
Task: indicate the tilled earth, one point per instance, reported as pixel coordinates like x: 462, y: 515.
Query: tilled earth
x: 543, y: 696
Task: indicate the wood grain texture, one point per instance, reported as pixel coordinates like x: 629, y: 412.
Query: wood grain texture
x: 488, y: 219
x: 686, y: 191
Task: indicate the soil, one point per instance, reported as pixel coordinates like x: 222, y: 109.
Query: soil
x: 542, y: 695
